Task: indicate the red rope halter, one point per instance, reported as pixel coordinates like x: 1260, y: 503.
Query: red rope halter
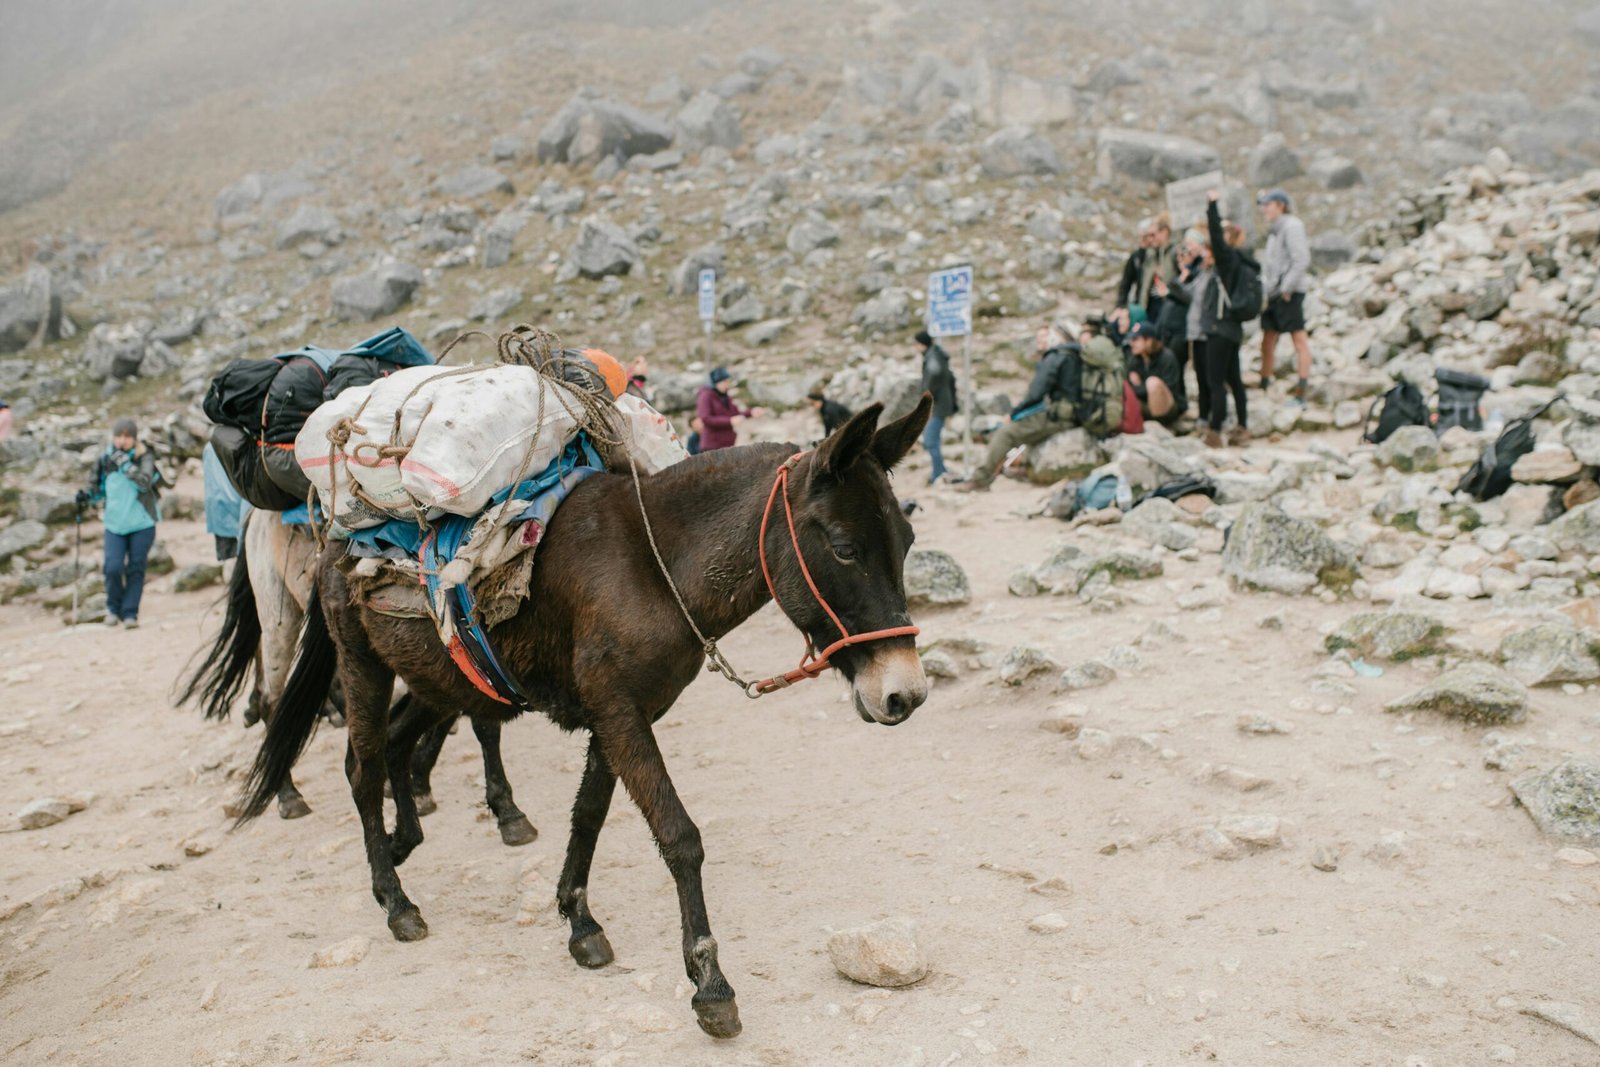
x: 811, y: 664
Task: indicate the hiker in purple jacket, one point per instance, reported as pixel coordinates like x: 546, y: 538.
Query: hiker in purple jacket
x: 719, y: 413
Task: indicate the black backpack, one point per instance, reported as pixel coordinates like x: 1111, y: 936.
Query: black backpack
x: 239, y: 391
x: 1178, y: 488
x: 376, y: 357
x: 1490, y: 473
x: 1401, y: 406
x: 1459, y: 396
x: 1245, y: 297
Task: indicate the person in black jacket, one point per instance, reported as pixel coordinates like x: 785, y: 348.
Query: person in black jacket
x: 1208, y: 321
x: 833, y: 413
x: 938, y: 379
x: 1049, y: 406
x: 1155, y: 376
x: 1155, y: 257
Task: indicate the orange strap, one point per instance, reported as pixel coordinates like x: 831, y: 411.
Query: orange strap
x: 811, y: 664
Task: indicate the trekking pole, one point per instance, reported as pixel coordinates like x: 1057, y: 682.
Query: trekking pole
x: 77, y: 556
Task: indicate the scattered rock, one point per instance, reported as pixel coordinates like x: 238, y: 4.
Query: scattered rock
x: 346, y: 953
x: 1152, y: 157
x: 1091, y: 674
x: 883, y: 953
x: 1273, y: 162
x: 1564, y: 802
x: 601, y: 248
x: 934, y: 578
x: 1269, y: 549
x: 21, y: 536
x: 1409, y: 449
x: 707, y: 120
x: 1325, y: 859
x: 375, y: 293
x: 1018, y: 150
x: 1569, y: 1017
x: 1579, y: 529
x: 1024, y: 662
x: 1475, y: 692
x: 46, y: 811
x: 1395, y: 636
x: 30, y: 310
x: 197, y: 576
x: 589, y: 128
x: 1550, y: 653
x: 1052, y: 922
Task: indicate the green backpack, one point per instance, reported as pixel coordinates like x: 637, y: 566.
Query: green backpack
x: 1100, y: 398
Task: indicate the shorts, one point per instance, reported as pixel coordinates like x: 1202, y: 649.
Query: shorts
x: 1285, y: 316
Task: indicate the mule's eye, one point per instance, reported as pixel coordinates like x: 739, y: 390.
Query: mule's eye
x: 845, y: 552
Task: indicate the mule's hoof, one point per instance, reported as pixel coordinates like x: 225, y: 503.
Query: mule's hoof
x: 408, y: 926
x: 293, y: 808
x: 592, y: 951
x: 719, y: 1018
x: 426, y: 805
x: 518, y: 831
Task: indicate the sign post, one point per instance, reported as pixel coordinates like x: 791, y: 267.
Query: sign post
x: 950, y: 315
x: 708, y: 304
x: 1186, y: 199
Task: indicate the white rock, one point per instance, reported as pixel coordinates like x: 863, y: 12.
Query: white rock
x: 46, y: 811
x: 1577, y: 857
x: 347, y: 953
x: 883, y: 953
x: 1051, y: 922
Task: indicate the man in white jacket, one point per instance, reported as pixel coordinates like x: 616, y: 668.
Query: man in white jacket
x: 1283, y: 280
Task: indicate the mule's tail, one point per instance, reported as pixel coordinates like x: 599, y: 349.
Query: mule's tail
x: 227, y: 663
x: 295, y: 718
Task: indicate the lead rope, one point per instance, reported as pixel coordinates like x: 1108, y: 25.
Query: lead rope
x: 716, y: 662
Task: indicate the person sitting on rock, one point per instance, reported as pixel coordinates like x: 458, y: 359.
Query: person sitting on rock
x: 1048, y: 407
x: 1155, y: 376
x: 126, y: 480
x: 833, y: 413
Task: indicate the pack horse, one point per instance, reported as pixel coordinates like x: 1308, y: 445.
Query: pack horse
x: 710, y: 539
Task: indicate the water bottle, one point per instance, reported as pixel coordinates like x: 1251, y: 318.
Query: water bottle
x: 1496, y: 423
x: 1124, y: 494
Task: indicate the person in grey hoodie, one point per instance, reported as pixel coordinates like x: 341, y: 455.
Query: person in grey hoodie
x: 1283, y: 279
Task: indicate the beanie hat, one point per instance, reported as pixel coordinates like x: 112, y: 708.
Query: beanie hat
x: 923, y: 338
x: 124, y: 427
x: 721, y: 374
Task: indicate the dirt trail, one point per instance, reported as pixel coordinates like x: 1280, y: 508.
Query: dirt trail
x: 139, y: 931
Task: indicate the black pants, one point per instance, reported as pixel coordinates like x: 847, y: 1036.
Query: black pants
x: 1196, y: 352
x: 1222, y: 374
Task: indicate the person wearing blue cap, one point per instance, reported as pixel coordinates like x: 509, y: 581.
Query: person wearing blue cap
x: 1284, y: 267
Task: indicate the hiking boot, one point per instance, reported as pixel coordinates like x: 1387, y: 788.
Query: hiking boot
x: 111, y: 620
x: 130, y: 624
x: 1298, y: 391
x: 1238, y: 436
x: 1213, y: 439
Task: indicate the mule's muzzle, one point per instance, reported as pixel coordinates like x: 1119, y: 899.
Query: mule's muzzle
x: 890, y: 686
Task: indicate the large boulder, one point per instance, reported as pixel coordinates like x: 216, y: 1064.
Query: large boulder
x: 590, y: 127
x: 1476, y: 692
x: 500, y: 235
x: 115, y: 351
x: 888, y: 312
x: 1018, y: 150
x: 310, y: 222
x: 1152, y: 157
x: 473, y: 181
x: 1579, y: 529
x: 1273, y: 162
x: 708, y: 120
x: 1551, y: 653
x: 29, y: 310
x: 601, y: 248
x: 1336, y: 172
x: 1269, y: 549
x: 1070, y: 453
x: 1395, y: 636
x: 21, y: 536
x: 935, y: 579
x: 373, y: 293
x: 1564, y: 802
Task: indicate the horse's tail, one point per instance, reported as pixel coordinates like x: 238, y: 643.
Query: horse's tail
x: 295, y: 718
x: 217, y: 681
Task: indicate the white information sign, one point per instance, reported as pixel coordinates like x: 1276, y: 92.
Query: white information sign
x: 950, y: 302
x: 1186, y: 199
x: 708, y: 294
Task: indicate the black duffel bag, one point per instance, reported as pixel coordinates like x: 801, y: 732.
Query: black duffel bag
x: 243, y: 461
x: 1460, y: 396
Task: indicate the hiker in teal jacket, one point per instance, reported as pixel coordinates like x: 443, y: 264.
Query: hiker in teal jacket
x: 125, y: 479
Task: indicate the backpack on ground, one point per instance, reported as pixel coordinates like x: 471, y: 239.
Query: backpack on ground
x: 1242, y: 301
x: 1101, y: 382
x: 1401, y: 406
x: 1490, y: 474
x: 1460, y: 394
x: 1132, y: 413
x: 1178, y: 488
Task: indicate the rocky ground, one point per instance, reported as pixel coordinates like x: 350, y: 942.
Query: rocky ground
x: 1306, y: 772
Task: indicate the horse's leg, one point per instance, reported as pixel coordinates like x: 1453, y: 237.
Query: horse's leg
x: 515, y: 829
x: 588, y: 944
x: 631, y: 752
x: 423, y: 758
x: 414, y: 720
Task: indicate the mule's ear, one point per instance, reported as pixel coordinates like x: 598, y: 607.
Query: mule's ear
x: 895, y: 440
x: 848, y: 443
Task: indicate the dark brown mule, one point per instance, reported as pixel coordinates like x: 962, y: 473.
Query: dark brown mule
x: 262, y: 615
x: 601, y: 646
